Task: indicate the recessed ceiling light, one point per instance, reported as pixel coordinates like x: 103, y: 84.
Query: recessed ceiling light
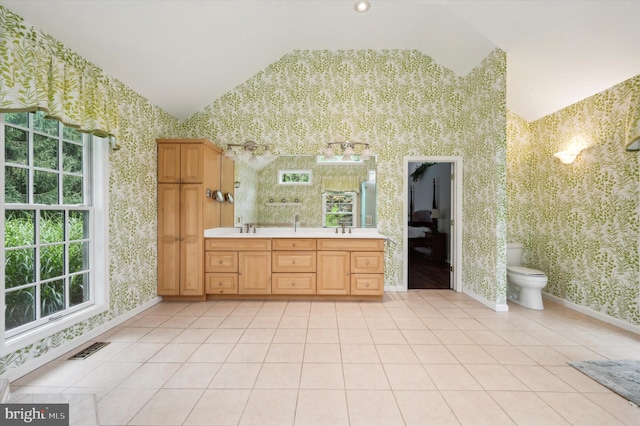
x: 362, y: 6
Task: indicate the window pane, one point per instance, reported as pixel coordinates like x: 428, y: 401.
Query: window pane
x: 51, y: 261
x: 51, y: 297
x: 45, y: 187
x: 72, y: 157
x: 71, y: 134
x: 19, y: 118
x: 72, y: 190
x: 78, y: 257
x: 21, y: 307
x: 16, y: 145
x: 41, y: 124
x: 79, y: 289
x: 19, y: 228
x: 15, y: 185
x: 51, y: 226
x: 78, y: 225
x: 45, y: 152
x: 19, y: 267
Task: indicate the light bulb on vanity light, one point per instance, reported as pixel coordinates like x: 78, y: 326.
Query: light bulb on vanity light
x: 362, y: 6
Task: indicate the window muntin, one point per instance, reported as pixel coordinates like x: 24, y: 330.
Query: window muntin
x: 47, y: 219
x: 339, y: 208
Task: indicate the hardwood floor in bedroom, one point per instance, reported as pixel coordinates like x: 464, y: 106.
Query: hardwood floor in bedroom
x: 426, y: 274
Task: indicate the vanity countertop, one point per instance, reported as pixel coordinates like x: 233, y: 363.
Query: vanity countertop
x: 229, y: 232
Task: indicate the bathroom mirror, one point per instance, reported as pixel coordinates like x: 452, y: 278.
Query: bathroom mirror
x: 260, y: 199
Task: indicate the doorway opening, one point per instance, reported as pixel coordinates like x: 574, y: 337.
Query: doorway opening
x: 432, y: 206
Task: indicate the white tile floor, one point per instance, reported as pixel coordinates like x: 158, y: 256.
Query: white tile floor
x: 426, y: 357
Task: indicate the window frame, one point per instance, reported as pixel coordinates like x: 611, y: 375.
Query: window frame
x: 95, y: 186
x: 282, y: 173
x: 353, y: 213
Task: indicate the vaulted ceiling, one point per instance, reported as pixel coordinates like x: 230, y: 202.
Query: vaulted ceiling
x: 183, y: 54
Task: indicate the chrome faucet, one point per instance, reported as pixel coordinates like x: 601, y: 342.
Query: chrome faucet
x: 296, y: 218
x: 342, y: 227
x: 248, y: 225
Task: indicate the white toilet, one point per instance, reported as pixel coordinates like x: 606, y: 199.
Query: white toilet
x: 524, y: 285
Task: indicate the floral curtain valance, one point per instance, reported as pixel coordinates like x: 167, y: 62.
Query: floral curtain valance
x: 37, y: 73
x: 341, y: 184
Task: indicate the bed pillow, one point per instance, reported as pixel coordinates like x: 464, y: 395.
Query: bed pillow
x: 418, y: 231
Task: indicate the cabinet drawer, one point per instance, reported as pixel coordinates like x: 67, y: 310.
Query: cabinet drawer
x: 293, y: 283
x: 294, y: 244
x: 221, y: 283
x: 294, y: 261
x: 238, y: 244
x: 367, y: 284
x: 367, y: 262
x: 351, y: 244
x: 221, y: 261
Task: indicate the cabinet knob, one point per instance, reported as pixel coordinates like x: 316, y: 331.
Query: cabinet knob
x: 293, y: 262
x: 366, y: 284
x: 177, y: 239
x: 367, y: 263
x: 293, y: 284
x: 220, y: 284
x: 293, y: 245
x: 219, y: 262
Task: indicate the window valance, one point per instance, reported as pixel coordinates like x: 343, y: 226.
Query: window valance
x: 37, y: 73
x: 341, y: 184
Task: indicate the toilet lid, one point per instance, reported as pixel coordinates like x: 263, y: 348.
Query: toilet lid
x: 521, y: 270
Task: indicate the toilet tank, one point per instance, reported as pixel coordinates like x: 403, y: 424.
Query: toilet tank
x: 514, y: 254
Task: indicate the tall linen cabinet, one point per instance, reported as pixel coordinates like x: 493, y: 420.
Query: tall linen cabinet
x: 188, y: 176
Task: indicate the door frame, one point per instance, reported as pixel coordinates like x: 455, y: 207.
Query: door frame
x: 455, y: 248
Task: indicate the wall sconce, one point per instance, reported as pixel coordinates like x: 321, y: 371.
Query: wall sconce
x: 569, y: 155
x: 248, y: 151
x: 347, y: 150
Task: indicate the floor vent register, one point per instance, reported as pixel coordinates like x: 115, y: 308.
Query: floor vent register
x: 89, y: 350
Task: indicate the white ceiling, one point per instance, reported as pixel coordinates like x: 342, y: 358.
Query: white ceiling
x: 184, y: 54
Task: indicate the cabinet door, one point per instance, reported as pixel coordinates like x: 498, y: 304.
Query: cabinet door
x: 285, y: 283
x: 168, y: 163
x: 367, y: 284
x: 223, y: 283
x: 333, y: 272
x: 192, y: 163
x: 254, y: 272
x: 294, y: 261
x: 191, y: 241
x: 168, y: 239
x: 367, y: 262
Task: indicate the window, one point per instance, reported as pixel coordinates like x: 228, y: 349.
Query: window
x: 339, y: 208
x: 295, y: 177
x: 53, y: 182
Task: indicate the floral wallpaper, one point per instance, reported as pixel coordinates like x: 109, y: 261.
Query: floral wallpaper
x: 403, y: 104
x: 580, y: 222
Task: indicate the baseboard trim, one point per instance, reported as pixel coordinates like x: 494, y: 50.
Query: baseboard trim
x: 15, y: 373
x: 594, y: 314
x: 498, y: 307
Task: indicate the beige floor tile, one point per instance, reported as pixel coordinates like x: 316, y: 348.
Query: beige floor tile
x: 258, y: 335
x: 451, y: 377
x: 617, y: 406
x: 495, y: 377
x: 420, y: 337
x: 235, y: 322
x: 365, y: 376
x: 322, y: 352
x: 175, y: 352
x: 355, y: 336
x: 518, y: 338
x: 538, y: 378
x: 192, y: 335
x: 129, y: 334
x: 380, y: 323
x: 211, y: 352
x: 471, y: 354
x: 397, y: 354
x: 279, y: 376
x: 294, y: 322
x: 401, y: 312
x: 373, y: 408
x: 527, y: 409
x: 576, y: 379
x: 219, y: 407
x: 578, y: 409
x: 236, y: 376
x: 544, y: 355
x: 425, y: 408
x: 322, y: 335
x: 167, y: 407
x: 270, y: 408
x: 322, y: 321
x: 225, y: 335
x: 265, y: 322
x: 248, y: 352
x: 196, y: 309
x: 120, y: 405
x: 388, y: 337
x: 485, y: 337
x: 285, y: 352
x: 151, y: 321
x: 136, y: 352
x: 245, y: 311
x: 319, y: 407
x: 408, y: 377
x: 359, y: 354
x: 453, y: 337
x: 509, y: 355
x: 321, y: 376
x: 476, y: 408
x: 195, y: 375
x: 349, y: 322
x: 210, y: 322
x: 178, y: 321
x: 290, y: 335
x: 58, y: 373
x: 107, y: 375
x: 150, y: 375
x: 160, y: 335
x: 434, y: 354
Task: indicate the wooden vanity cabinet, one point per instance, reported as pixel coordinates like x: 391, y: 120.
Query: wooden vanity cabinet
x: 238, y: 266
x: 186, y: 167
x: 293, y: 266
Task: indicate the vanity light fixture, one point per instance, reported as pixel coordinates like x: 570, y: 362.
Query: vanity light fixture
x: 571, y: 152
x: 248, y: 151
x: 347, y: 150
x: 566, y: 157
x: 362, y: 6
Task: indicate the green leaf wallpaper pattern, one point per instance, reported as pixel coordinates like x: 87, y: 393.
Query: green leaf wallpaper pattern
x: 403, y: 104
x: 580, y: 222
